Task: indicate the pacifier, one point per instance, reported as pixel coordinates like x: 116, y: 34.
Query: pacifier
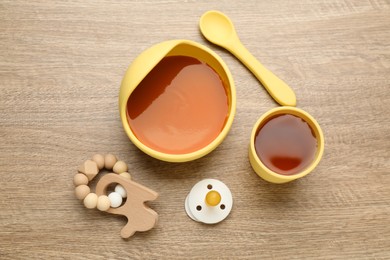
x: 209, y: 201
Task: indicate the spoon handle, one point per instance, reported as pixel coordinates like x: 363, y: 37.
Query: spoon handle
x: 276, y: 87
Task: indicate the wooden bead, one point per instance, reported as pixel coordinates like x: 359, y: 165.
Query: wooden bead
x: 103, y: 203
x: 80, y: 179
x: 99, y: 160
x: 89, y: 168
x: 126, y: 175
x: 119, y: 167
x: 90, y: 201
x: 109, y: 161
x: 82, y: 191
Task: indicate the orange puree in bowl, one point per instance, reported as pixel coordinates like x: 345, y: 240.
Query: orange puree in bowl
x: 180, y: 107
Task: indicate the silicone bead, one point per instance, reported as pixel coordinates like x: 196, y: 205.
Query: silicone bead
x: 119, y: 189
x: 115, y: 199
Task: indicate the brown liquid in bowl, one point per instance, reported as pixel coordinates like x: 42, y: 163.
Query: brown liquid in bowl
x: 286, y: 144
x: 180, y: 107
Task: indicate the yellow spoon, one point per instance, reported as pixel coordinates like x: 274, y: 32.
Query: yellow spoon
x: 218, y: 29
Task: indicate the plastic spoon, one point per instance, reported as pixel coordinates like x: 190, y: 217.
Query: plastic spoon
x: 218, y: 29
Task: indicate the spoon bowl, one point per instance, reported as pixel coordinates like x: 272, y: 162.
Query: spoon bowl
x: 217, y: 28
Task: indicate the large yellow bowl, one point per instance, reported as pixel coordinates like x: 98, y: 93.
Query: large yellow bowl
x: 141, y: 67
x: 262, y: 170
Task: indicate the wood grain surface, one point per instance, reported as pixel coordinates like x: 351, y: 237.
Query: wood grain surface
x: 61, y: 64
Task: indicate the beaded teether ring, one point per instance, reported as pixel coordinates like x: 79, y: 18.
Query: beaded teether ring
x: 140, y: 217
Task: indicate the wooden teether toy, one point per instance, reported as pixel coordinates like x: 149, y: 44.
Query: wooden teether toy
x: 128, y: 199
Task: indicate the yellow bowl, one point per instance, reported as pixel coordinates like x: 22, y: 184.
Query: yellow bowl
x: 258, y: 165
x: 146, y: 61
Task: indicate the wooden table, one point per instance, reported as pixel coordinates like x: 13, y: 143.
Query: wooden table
x: 61, y: 64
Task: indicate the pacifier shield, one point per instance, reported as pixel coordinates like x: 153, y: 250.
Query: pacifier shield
x: 209, y: 201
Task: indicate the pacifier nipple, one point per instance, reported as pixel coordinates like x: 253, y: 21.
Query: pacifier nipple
x: 213, y: 198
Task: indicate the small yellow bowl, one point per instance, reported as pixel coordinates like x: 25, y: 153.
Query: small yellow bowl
x: 258, y: 165
x: 142, y: 66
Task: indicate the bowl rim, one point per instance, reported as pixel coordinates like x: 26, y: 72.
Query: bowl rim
x: 307, y: 118
x: 206, y: 149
